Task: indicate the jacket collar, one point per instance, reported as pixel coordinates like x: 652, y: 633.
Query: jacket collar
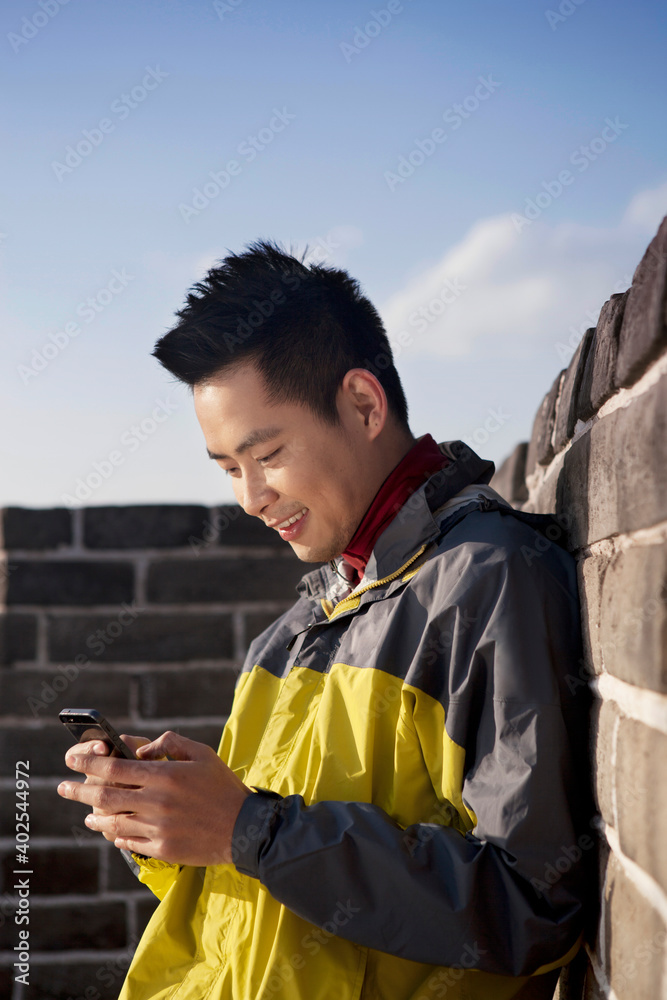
x: 414, y: 524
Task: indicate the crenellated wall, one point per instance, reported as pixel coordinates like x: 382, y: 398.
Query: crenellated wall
x: 598, y: 458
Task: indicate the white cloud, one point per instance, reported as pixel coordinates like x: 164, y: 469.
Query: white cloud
x: 519, y: 291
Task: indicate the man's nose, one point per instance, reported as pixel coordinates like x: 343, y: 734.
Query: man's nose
x: 256, y: 495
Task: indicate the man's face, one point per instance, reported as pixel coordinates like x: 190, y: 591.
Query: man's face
x: 307, y: 479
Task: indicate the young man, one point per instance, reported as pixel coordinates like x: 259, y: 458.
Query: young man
x: 396, y: 782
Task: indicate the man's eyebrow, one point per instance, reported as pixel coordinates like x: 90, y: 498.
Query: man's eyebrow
x: 255, y: 437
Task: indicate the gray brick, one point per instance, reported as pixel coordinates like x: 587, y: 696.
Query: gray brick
x: 592, y: 989
x: 604, y: 716
x: 598, y: 380
x: 590, y: 576
x: 76, y: 582
x: 6, y: 981
x: 255, y: 622
x: 566, y: 407
x: 540, y: 448
x: 143, y: 526
x: 56, y: 870
x: 120, y: 877
x: 193, y: 580
x: 24, y: 528
x: 152, y: 637
x: 194, y: 692
x: 42, y: 693
x: 643, y: 334
x: 93, y: 980
x: 50, y: 814
x: 229, y: 525
x: 604, y: 496
x: 510, y: 479
x: 145, y: 910
x: 235, y: 527
x: 633, y: 616
x: 74, y: 926
x: 635, y: 939
x: 642, y: 750
x: 18, y: 637
x: 44, y: 746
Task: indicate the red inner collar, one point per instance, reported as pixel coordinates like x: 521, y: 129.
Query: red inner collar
x: 421, y: 462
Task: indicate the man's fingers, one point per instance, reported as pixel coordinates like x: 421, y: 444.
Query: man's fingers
x: 134, y: 742
x: 113, y: 770
x: 175, y: 746
x: 104, y: 798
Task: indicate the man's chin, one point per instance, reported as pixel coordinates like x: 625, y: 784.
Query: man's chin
x: 314, y: 553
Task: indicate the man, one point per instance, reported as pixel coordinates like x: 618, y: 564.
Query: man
x: 396, y: 781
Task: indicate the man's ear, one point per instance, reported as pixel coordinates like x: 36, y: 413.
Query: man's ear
x: 365, y: 399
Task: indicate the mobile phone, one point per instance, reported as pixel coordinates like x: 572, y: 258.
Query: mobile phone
x: 88, y: 724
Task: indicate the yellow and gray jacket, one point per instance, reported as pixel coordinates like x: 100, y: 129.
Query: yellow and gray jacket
x: 415, y: 826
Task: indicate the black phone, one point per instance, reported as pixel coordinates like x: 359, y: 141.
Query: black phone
x: 88, y: 724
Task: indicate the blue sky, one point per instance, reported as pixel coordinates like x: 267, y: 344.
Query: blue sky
x: 115, y: 114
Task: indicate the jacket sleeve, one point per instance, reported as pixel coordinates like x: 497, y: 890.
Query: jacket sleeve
x: 506, y: 896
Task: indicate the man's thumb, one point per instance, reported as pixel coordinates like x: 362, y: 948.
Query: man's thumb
x: 169, y: 746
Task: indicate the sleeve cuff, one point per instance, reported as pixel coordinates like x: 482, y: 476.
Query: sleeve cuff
x: 252, y: 830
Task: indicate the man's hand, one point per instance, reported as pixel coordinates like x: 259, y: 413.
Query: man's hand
x: 181, y: 810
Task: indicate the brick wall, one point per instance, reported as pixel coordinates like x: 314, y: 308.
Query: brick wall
x: 145, y: 614
x: 598, y: 457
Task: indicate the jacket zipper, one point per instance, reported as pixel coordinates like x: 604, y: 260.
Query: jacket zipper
x: 341, y: 606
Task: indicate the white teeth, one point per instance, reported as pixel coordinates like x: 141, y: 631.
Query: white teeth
x: 292, y: 520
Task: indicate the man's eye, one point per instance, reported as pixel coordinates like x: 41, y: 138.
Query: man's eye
x: 267, y: 458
